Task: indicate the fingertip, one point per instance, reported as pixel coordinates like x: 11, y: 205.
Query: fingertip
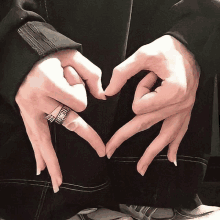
x: 38, y: 172
x: 101, y: 154
x: 56, y: 189
x: 110, y: 92
x: 175, y: 163
x: 142, y: 171
x: 102, y: 96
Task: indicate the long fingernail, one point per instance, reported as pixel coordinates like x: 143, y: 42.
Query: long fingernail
x: 38, y: 172
x: 175, y: 163
x: 142, y: 172
x: 109, y: 155
x: 56, y: 189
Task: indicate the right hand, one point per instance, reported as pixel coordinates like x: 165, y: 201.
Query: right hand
x: 54, y: 80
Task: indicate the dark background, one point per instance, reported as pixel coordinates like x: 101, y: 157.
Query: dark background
x: 210, y: 190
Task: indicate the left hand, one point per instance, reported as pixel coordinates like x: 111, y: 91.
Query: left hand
x: 173, y: 101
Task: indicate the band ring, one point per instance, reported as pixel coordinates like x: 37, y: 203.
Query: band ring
x: 62, y: 114
x: 50, y: 118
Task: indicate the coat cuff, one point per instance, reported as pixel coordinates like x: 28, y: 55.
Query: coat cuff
x: 23, y: 48
x: 193, y: 32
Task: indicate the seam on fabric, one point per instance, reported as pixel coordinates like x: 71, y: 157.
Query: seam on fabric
x: 133, y: 161
x: 86, y: 187
x: 25, y: 180
x: 36, y: 39
x: 187, y: 161
x: 45, y: 5
x: 163, y: 156
x: 43, y: 194
x: 22, y: 183
x: 30, y: 39
x: 44, y: 38
x: 185, y: 156
x: 89, y: 191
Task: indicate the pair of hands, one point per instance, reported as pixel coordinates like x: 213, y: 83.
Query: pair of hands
x: 59, y: 78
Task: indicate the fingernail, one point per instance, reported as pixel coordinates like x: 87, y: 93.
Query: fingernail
x: 38, y: 172
x: 109, y: 155
x: 175, y: 163
x: 142, y: 172
x: 56, y: 189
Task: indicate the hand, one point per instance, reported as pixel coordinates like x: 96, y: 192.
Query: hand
x: 58, y: 79
x: 173, y: 101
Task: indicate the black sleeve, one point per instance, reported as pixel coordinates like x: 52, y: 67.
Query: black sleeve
x: 25, y: 38
x: 193, y: 31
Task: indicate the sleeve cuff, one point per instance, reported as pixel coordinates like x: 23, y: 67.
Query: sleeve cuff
x: 22, y: 49
x: 193, y: 32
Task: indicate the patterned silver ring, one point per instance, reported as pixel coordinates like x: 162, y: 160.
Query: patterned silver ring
x: 62, y: 114
x: 50, y: 118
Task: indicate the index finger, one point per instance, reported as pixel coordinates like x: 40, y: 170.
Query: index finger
x: 124, y: 71
x: 75, y: 123
x: 86, y: 69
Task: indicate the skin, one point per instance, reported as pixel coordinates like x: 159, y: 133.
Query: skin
x: 54, y: 80
x: 60, y: 78
x: 172, y: 102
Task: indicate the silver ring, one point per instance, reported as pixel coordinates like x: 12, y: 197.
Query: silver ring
x: 50, y: 118
x: 62, y: 114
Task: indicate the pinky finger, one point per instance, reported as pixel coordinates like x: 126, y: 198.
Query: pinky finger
x: 40, y: 163
x: 174, y: 145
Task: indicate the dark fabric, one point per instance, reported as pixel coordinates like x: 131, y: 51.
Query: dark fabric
x: 109, y: 31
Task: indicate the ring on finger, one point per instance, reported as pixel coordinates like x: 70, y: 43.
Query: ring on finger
x: 52, y: 116
x: 62, y: 114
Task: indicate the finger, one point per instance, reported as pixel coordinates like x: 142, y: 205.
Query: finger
x: 124, y: 71
x: 168, y: 133
x: 145, y: 85
x: 72, y: 76
x: 40, y: 164
x: 40, y: 138
x: 86, y: 69
x: 167, y: 94
x: 124, y: 133
x: 174, y: 145
x: 75, y: 123
x: 70, y: 90
x: 140, y: 123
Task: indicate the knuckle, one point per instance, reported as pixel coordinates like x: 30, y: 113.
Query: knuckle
x: 179, y: 93
x: 143, y: 126
x: 97, y: 73
x: 81, y: 106
x: 74, y: 125
x: 48, y: 65
x: 142, y: 50
x: 117, y: 72
x: 136, y: 108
